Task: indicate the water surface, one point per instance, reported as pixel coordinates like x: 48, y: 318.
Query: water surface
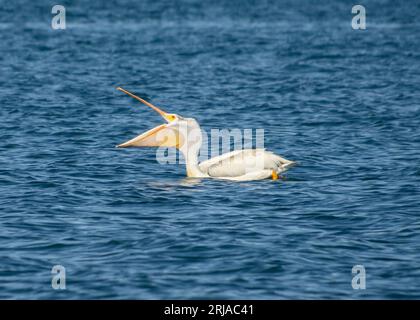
x: 343, y: 103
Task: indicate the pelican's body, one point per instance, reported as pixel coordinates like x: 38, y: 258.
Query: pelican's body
x: 242, y: 165
x: 185, y: 134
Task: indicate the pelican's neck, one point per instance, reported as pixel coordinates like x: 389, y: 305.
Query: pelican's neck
x: 191, y: 159
x: 190, y: 151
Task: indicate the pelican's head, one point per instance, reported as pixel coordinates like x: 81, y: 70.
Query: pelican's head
x: 174, y: 133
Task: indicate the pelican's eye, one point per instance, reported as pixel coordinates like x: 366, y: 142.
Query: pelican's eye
x: 171, y: 117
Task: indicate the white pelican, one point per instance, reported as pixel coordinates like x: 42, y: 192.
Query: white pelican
x: 185, y: 134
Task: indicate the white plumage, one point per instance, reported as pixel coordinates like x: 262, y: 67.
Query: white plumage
x: 248, y: 164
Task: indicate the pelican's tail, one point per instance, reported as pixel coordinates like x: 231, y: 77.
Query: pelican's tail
x: 288, y: 165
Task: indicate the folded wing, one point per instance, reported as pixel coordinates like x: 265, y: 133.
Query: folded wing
x: 254, y: 162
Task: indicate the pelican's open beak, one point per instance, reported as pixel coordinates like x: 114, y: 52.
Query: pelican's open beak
x: 164, y: 135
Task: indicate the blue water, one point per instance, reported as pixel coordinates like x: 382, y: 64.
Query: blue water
x: 344, y: 103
